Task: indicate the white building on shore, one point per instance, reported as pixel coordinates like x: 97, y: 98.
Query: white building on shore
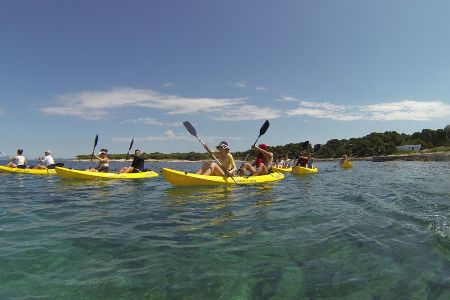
x: 409, y: 147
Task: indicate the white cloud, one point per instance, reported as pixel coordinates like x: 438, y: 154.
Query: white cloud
x: 96, y: 105
x: 152, y: 121
x: 287, y: 99
x: 170, y: 135
x: 249, y: 112
x: 407, y: 110
x: 167, y: 85
x: 412, y: 110
x: 260, y: 88
x: 239, y: 84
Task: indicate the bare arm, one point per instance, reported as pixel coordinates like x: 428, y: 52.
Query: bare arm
x: 264, y: 152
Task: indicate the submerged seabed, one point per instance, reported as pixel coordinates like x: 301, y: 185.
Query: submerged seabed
x: 377, y: 231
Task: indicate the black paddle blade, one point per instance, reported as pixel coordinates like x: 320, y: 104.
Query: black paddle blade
x: 305, y: 145
x: 316, y: 148
x: 131, y: 144
x: 96, y: 141
x: 190, y: 128
x: 264, y: 127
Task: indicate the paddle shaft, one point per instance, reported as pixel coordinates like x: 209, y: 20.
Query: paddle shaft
x: 248, y: 154
x: 262, y: 130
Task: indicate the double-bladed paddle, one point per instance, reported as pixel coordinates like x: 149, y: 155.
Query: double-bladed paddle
x: 95, y: 145
x: 193, y: 132
x: 131, y: 145
x: 263, y: 130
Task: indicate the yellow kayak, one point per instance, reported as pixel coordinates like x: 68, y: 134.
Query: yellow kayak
x: 79, y: 174
x: 5, y: 169
x: 298, y: 170
x: 347, y: 165
x: 282, y: 170
x: 190, y: 179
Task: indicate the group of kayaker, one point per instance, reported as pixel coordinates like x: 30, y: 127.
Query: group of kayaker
x: 137, y: 165
x: 47, y: 162
x: 225, y: 164
x: 19, y: 161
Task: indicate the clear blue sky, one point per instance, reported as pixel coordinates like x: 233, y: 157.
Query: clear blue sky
x: 316, y: 69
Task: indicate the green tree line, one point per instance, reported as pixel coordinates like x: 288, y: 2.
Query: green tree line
x: 372, y: 144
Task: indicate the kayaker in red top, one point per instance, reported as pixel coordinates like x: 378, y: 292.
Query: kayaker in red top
x: 263, y: 163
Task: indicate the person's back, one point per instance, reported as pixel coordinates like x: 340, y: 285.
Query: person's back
x: 48, y: 160
x: 18, y: 161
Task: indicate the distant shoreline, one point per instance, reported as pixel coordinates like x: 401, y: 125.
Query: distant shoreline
x: 435, y: 156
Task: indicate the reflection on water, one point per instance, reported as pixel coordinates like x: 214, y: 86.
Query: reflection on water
x: 217, y: 209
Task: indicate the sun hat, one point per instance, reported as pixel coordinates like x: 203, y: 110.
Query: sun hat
x: 263, y: 146
x: 47, y: 151
x: 223, y: 145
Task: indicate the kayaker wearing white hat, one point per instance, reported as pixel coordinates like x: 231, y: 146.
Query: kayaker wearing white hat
x: 226, y: 159
x: 47, y: 162
x: 103, y: 162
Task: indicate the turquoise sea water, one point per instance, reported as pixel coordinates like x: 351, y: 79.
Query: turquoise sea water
x: 377, y: 231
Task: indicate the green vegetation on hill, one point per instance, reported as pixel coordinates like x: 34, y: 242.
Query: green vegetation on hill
x: 373, y: 144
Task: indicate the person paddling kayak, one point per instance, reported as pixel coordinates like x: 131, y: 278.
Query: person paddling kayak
x: 343, y: 159
x: 226, y: 159
x: 137, y: 165
x: 263, y: 163
x: 103, y: 162
x: 302, y: 159
x: 47, y: 162
x: 18, y: 161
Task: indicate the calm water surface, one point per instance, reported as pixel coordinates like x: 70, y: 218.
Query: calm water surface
x: 377, y: 231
